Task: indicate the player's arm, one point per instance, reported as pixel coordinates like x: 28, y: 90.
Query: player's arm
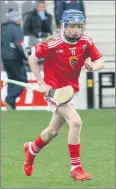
x: 94, y: 65
x: 98, y: 64
x: 95, y: 60
x: 35, y: 69
x: 38, y: 52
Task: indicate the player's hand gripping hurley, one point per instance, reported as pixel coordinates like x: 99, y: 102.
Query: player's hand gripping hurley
x: 61, y: 95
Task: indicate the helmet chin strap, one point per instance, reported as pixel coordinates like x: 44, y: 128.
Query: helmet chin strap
x: 67, y: 40
x: 72, y: 39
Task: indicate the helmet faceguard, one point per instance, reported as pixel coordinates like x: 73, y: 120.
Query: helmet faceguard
x: 73, y: 24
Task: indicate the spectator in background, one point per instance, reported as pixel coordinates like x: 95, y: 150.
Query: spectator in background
x: 61, y: 5
x: 12, y: 55
x: 39, y: 22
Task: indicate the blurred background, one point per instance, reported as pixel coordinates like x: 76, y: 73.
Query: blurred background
x: 97, y: 89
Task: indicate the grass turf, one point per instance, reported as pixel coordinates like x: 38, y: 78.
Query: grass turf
x: 52, y: 165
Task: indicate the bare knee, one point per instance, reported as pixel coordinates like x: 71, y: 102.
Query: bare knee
x: 76, y: 124
x: 49, y: 133
x: 52, y: 132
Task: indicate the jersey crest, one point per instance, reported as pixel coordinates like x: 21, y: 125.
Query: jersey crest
x: 73, y: 61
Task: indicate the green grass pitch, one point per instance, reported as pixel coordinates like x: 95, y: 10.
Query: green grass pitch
x: 52, y: 165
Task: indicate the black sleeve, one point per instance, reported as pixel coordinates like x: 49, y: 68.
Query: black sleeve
x: 58, y: 11
x: 50, y: 23
x: 36, y: 26
x: 83, y: 8
x: 27, y: 24
x: 47, y: 24
x: 18, y: 40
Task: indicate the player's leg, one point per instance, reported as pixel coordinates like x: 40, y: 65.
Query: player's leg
x: 49, y: 133
x: 55, y: 125
x: 31, y: 149
x: 75, y: 125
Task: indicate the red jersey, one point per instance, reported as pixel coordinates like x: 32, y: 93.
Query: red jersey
x: 63, y: 61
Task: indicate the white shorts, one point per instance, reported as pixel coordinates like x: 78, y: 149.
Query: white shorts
x: 52, y: 104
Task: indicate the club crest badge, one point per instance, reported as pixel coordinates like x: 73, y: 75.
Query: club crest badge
x: 73, y: 61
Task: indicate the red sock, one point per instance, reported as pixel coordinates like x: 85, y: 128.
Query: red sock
x: 37, y: 145
x: 74, y: 150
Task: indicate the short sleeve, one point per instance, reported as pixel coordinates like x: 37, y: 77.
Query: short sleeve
x: 40, y: 51
x: 92, y: 50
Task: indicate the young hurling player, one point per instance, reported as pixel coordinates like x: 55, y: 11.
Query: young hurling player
x: 64, y: 59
